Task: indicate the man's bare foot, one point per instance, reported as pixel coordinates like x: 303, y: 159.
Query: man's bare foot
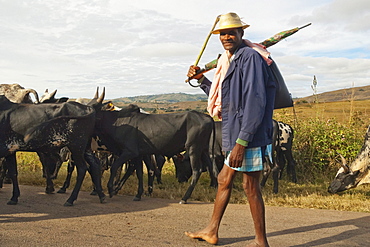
x: 212, y: 239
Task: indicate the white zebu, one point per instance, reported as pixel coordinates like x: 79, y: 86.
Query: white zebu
x: 355, y: 174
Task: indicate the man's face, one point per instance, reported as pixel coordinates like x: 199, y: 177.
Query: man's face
x: 231, y: 39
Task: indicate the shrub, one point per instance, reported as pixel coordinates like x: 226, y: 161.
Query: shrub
x: 317, y: 144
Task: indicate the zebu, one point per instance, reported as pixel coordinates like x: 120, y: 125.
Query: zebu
x: 355, y: 174
x: 131, y: 134
x: 46, y: 128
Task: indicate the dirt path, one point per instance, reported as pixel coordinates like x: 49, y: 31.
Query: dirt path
x: 42, y: 220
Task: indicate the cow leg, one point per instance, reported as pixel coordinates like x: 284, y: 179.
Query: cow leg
x: 59, y: 163
x: 194, y: 180
x: 11, y: 163
x: 277, y: 169
x: 81, y: 172
x: 95, y: 172
x: 130, y: 170
x: 139, y: 173
x: 160, y: 160
x: 113, y: 172
x: 291, y: 166
x: 49, y: 182
x: 49, y: 186
x: 48, y: 163
x: 7, y: 179
x: 281, y: 163
x: 67, y: 181
x: 275, y: 175
x: 212, y: 168
x: 94, y: 192
x: 3, y: 171
x: 121, y: 168
x: 150, y: 163
x: 195, y: 162
x: 266, y: 171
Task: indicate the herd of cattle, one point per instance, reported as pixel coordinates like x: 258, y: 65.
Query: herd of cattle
x: 89, y: 135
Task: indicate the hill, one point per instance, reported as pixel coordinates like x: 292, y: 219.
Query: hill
x: 172, y: 102
x: 355, y: 93
x: 161, y: 98
x: 181, y: 101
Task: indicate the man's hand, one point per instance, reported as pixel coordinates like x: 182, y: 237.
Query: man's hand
x: 237, y: 156
x: 193, y: 71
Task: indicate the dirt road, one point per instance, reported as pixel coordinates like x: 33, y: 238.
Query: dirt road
x: 42, y: 220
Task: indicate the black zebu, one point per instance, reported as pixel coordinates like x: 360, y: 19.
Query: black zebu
x: 182, y: 161
x: 45, y: 129
x: 282, y: 141
x: 17, y: 94
x: 107, y: 158
x: 131, y: 134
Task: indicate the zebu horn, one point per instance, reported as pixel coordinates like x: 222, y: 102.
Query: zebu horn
x: 52, y: 95
x: 27, y: 91
x: 97, y: 93
x: 48, y: 96
x: 344, y: 164
x: 101, y: 98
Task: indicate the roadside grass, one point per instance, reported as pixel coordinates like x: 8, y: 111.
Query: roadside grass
x: 322, y: 130
x: 300, y: 195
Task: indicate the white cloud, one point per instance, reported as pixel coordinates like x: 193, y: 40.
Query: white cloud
x: 146, y: 47
x: 160, y: 50
x: 331, y: 73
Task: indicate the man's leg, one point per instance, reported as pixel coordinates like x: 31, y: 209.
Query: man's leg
x: 225, y: 183
x: 252, y: 189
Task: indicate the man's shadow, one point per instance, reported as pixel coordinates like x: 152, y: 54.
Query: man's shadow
x: 358, y: 237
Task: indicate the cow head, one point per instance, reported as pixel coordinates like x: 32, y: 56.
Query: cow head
x: 18, y: 94
x: 50, y: 97
x: 97, y: 100
x: 357, y: 173
x: 343, y: 181
x: 183, y: 167
x: 345, y: 178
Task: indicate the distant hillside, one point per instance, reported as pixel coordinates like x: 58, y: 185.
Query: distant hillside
x: 355, y: 93
x: 161, y: 98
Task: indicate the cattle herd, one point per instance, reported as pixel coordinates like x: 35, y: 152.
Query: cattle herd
x: 95, y: 135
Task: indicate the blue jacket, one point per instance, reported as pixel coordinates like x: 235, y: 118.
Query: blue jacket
x: 248, y: 95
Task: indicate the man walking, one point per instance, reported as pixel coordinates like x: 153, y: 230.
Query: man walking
x: 242, y: 94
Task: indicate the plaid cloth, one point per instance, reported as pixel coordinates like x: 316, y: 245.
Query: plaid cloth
x: 253, y: 159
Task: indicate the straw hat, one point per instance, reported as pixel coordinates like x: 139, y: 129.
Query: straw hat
x: 229, y: 20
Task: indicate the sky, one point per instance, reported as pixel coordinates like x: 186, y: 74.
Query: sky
x: 145, y: 47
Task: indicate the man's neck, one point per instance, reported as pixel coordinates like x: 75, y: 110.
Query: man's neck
x: 236, y: 49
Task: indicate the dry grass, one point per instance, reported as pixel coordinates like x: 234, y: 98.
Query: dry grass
x: 303, y: 195
x: 290, y: 194
x: 341, y: 111
x: 335, y: 110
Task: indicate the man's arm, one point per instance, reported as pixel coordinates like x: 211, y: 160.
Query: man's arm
x: 205, y: 84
